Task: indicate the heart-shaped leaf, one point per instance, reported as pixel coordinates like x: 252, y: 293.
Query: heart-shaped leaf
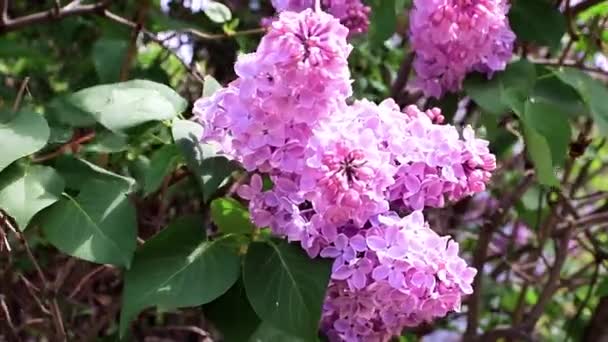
x: 99, y: 225
x: 178, y: 268
x: 120, y: 106
x: 26, y: 190
x: 25, y: 134
x: 285, y: 287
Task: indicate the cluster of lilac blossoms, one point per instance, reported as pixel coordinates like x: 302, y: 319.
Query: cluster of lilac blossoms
x: 343, y: 173
x: 454, y: 37
x: 353, y: 14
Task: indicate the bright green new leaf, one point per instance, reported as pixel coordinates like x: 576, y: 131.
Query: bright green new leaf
x: 178, y: 268
x: 124, y: 105
x: 218, y: 12
x: 25, y: 134
x: 26, y: 190
x: 231, y: 216
x: 99, y: 225
x: 285, y: 287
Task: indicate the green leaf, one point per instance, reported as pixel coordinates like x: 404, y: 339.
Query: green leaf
x: 602, y: 288
x: 120, y: 106
x: 218, y: 12
x: 552, y: 89
x: 26, y: 190
x: 63, y: 111
x: 537, y: 21
x: 221, y: 313
x: 107, y: 142
x: 78, y: 172
x: 99, y: 225
x: 162, y: 163
x: 383, y: 21
x: 108, y: 57
x: 549, y: 121
x: 231, y: 217
x: 179, y: 268
x: 25, y: 134
x: 506, y: 90
x: 540, y: 153
x: 268, y: 333
x: 285, y: 287
x: 593, y: 92
x: 211, y: 85
x: 210, y: 171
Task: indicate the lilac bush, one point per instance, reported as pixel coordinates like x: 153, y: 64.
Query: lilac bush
x: 342, y: 172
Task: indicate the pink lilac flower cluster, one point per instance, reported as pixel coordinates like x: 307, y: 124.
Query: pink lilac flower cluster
x: 340, y: 172
x: 454, y: 37
x: 352, y: 13
x: 401, y: 274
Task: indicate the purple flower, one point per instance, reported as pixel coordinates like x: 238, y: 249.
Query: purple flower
x: 352, y: 13
x: 454, y: 37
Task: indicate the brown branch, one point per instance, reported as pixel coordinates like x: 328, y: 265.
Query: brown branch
x: 597, y: 330
x: 142, y: 11
x: 402, y: 75
x: 553, y: 283
x: 152, y: 36
x: 507, y: 333
x: 3, y: 12
x: 9, y: 24
x: 20, y: 94
x: 570, y: 65
x: 73, y: 144
x: 584, y: 6
x: 8, y: 320
x: 55, y: 311
x: 481, y: 251
x: 85, y: 279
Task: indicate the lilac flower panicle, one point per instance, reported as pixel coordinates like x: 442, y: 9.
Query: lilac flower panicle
x: 407, y: 276
x: 352, y: 13
x: 454, y: 37
x: 339, y: 170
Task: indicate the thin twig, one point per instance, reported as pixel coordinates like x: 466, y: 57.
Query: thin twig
x: 402, y: 75
x: 20, y: 94
x: 552, y: 285
x: 3, y: 12
x: 152, y: 36
x: 9, y: 320
x: 14, y: 24
x: 189, y: 328
x: 480, y: 254
x: 55, y: 312
x: 142, y: 11
x: 584, y: 5
x: 69, y: 145
x: 570, y: 65
x: 85, y: 279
